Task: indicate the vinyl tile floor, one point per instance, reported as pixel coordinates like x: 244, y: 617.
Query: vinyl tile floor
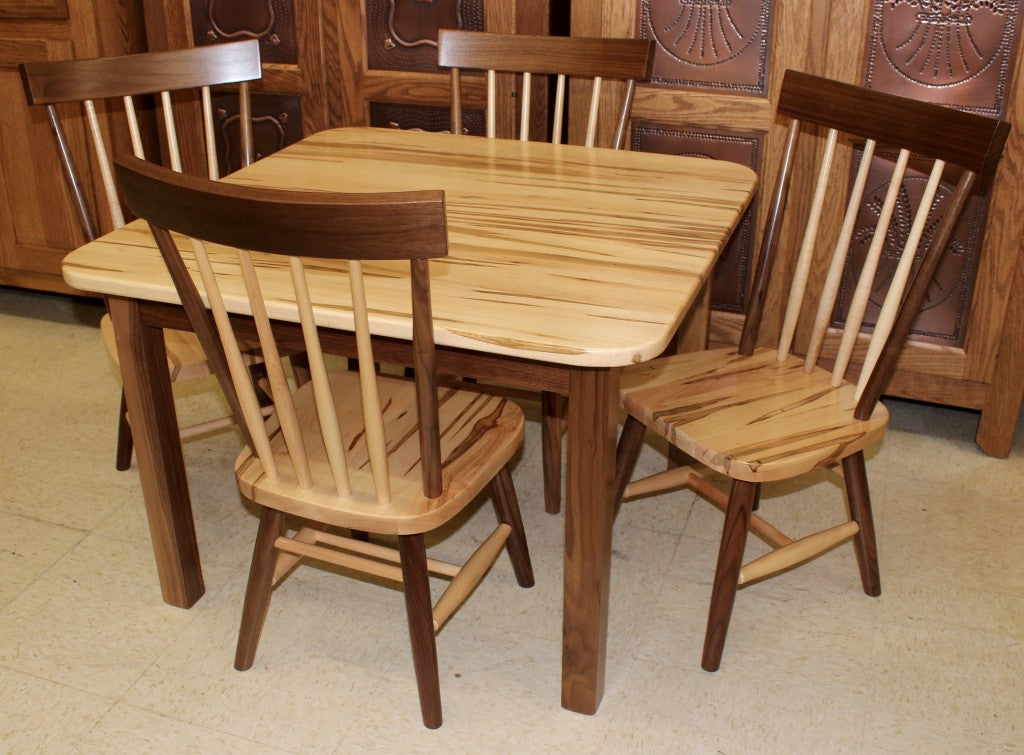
x: 92, y: 660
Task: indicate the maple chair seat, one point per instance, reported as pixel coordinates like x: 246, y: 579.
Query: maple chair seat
x: 479, y: 433
x: 750, y: 418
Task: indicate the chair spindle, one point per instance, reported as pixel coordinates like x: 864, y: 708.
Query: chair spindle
x: 830, y: 290
x: 859, y: 301
x: 803, y: 265
x: 893, y: 297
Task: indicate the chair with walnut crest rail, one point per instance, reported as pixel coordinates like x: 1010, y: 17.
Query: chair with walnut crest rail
x: 756, y: 414
x: 357, y: 450
x: 580, y: 59
x: 123, y: 78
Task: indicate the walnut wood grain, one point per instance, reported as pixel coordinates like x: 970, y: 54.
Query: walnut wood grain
x: 48, y: 82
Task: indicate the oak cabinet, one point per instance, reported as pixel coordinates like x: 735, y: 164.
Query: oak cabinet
x: 37, y: 223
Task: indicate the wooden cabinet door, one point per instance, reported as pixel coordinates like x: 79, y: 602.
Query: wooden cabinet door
x: 716, y: 76
x: 37, y: 223
x: 345, y: 62
x: 389, y: 75
x: 291, y: 99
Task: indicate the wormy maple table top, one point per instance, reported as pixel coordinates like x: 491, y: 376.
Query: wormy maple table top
x: 562, y: 254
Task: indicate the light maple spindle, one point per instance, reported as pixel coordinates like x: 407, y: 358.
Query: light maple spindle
x: 804, y: 259
x: 211, y: 153
x: 524, y: 108
x: 133, y: 127
x: 325, y: 409
x: 595, y: 104
x: 859, y: 301
x: 830, y: 289
x: 376, y: 443
x: 107, y: 176
x: 250, y: 406
x: 280, y: 390
x: 556, y: 126
x: 492, y: 104
x: 898, y: 284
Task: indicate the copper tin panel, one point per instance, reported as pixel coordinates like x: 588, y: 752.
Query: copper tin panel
x: 955, y: 52
x: 402, y: 34
x: 423, y: 118
x: 277, y: 122
x: 943, y: 315
x: 709, y: 44
x: 272, y: 22
x: 729, y: 289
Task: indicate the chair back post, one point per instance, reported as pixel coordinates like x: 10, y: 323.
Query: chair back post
x: 426, y: 378
x: 71, y: 177
x: 769, y: 244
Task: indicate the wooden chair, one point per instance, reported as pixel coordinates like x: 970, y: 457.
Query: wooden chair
x: 756, y: 414
x: 576, y: 57
x: 357, y: 450
x: 125, y: 77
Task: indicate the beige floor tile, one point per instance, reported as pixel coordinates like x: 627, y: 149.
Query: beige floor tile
x: 126, y: 729
x: 57, y: 469
x: 321, y: 655
x: 94, y: 620
x: 37, y: 715
x: 27, y: 549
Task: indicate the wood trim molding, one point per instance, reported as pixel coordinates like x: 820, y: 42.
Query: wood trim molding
x: 35, y: 9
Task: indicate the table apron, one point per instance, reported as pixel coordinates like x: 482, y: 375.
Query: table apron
x: 506, y: 370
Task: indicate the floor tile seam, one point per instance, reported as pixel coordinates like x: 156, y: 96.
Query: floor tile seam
x: 204, y: 727
x: 83, y: 535
x: 113, y: 700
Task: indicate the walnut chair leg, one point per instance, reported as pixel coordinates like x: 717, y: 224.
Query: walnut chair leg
x: 727, y: 572
x: 631, y: 440
x: 257, y: 594
x: 856, y: 478
x: 551, y: 428
x: 124, y: 438
x: 419, y: 608
x: 507, y: 506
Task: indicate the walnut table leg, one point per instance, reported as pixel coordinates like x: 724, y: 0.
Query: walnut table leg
x: 147, y: 389
x: 589, y: 514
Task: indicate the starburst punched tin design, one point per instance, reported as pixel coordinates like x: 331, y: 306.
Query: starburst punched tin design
x: 956, y: 52
x: 708, y: 44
